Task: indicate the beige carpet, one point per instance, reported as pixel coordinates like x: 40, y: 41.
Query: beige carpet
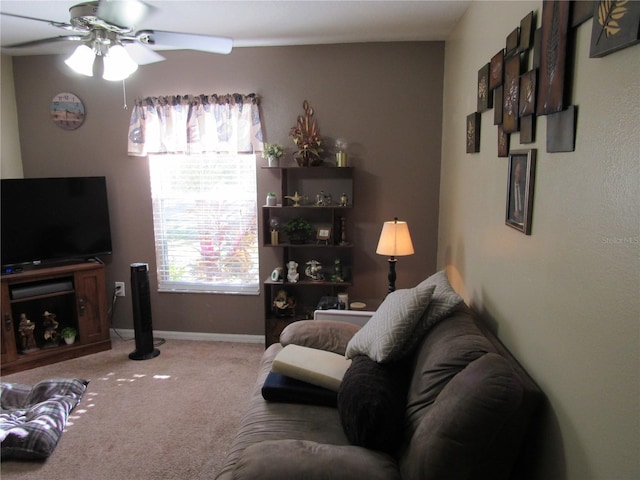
x: 171, y: 417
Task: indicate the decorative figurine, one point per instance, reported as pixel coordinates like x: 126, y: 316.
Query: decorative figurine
x: 344, y: 200
x: 320, y: 199
x: 337, y: 272
x: 26, y: 329
x: 292, y: 272
x: 51, y: 334
x: 284, y: 304
x: 296, y: 199
x: 314, y: 270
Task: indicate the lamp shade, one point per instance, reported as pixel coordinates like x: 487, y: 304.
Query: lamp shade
x: 118, y: 65
x: 81, y: 60
x: 395, y: 239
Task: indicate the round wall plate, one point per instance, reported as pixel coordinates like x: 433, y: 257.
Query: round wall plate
x: 67, y: 111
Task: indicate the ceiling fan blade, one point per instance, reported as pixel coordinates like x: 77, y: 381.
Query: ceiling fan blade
x: 187, y: 41
x: 44, y: 41
x: 142, y: 55
x: 123, y: 13
x: 63, y: 25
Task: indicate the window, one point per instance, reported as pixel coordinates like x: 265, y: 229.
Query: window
x: 205, y: 222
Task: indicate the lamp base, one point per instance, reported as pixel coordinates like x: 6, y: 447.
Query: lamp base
x: 392, y: 275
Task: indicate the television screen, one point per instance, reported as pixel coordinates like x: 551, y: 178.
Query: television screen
x: 53, y: 219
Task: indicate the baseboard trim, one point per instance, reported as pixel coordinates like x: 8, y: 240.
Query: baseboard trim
x: 206, y: 337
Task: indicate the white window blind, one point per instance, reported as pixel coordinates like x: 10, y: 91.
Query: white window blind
x: 205, y: 222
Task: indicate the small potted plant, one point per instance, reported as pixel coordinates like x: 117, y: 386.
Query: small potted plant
x: 298, y: 230
x: 271, y: 199
x: 69, y: 335
x: 272, y: 152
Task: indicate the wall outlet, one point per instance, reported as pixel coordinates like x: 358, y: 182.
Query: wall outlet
x: 119, y: 289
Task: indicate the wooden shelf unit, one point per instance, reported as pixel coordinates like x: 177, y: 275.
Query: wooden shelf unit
x: 309, y: 182
x: 75, y: 293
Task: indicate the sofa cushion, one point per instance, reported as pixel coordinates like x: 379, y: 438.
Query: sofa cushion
x: 299, y: 459
x: 280, y: 388
x: 321, y: 368
x: 463, y: 423
x: 443, y: 301
x: 371, y: 403
x: 445, y: 351
x: 329, y: 335
x: 389, y: 334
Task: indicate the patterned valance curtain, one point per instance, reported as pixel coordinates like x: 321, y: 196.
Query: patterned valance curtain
x: 195, y: 124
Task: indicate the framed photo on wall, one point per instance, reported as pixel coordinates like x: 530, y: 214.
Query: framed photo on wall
x: 520, y: 180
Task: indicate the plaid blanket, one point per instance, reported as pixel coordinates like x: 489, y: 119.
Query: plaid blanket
x: 32, y: 418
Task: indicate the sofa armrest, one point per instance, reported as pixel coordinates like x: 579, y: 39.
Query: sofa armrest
x: 282, y: 459
x: 329, y: 335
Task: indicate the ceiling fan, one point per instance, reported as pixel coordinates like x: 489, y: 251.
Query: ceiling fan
x: 105, y: 31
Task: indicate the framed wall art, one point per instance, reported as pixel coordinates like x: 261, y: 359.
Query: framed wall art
x: 520, y: 180
x: 561, y: 131
x: 496, y: 68
x: 616, y: 25
x: 527, y: 27
x: 527, y: 101
x: 553, y: 53
x: 473, y: 132
x: 499, y: 105
x: 511, y: 94
x: 528, y: 129
x: 485, y: 94
x: 503, y: 143
x: 511, y: 45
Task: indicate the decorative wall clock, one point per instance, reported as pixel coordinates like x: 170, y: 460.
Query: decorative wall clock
x: 67, y: 111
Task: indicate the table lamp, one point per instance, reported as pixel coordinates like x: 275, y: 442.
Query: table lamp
x: 395, y: 241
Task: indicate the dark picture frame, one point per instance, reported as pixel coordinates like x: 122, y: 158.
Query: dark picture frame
x: 512, y: 42
x: 485, y: 94
x: 323, y: 234
x: 616, y: 25
x: 520, y: 183
x: 473, y: 132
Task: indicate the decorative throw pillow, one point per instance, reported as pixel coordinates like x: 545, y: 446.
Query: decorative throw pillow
x: 321, y: 368
x: 371, y: 402
x: 387, y: 336
x: 443, y: 301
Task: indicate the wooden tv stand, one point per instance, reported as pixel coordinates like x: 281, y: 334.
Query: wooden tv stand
x: 76, y: 294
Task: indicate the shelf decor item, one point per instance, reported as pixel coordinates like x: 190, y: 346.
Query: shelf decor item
x: 341, y: 154
x: 271, y: 199
x: 298, y: 230
x: 69, y: 335
x: 307, y: 138
x: 272, y: 152
x: 395, y: 241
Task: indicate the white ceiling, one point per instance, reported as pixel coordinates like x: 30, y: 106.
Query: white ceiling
x: 254, y: 23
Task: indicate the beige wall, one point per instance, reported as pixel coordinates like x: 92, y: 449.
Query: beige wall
x: 385, y: 99
x: 566, y: 299
x: 10, y: 159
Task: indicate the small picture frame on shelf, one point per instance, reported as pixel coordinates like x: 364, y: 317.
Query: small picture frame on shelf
x: 324, y: 234
x: 522, y: 165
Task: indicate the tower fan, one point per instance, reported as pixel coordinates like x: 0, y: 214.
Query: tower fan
x: 141, y: 300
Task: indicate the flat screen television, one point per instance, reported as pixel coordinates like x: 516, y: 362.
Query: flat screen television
x: 50, y: 220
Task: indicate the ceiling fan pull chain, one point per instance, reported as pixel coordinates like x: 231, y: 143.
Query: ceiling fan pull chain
x: 124, y: 95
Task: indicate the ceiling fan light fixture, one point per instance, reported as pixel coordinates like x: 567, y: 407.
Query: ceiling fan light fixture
x: 81, y: 60
x: 118, y: 65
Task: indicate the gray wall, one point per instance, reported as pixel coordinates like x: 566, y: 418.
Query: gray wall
x: 385, y: 99
x: 566, y: 299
